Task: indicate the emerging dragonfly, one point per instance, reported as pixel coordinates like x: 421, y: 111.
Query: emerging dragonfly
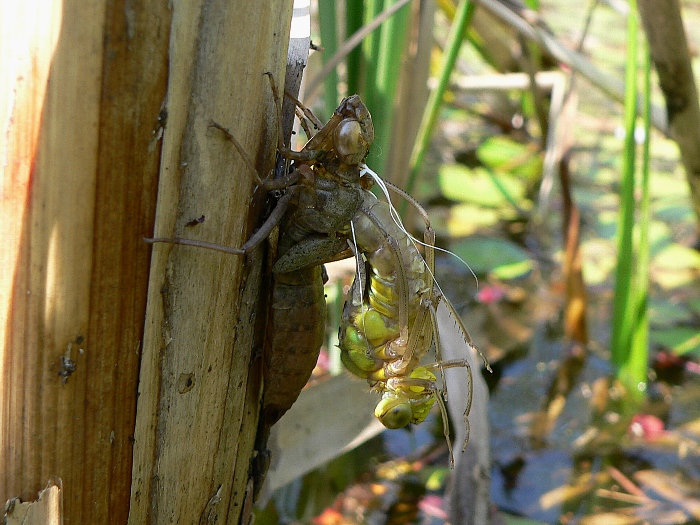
x: 322, y: 192
x: 326, y: 214
x: 389, y: 321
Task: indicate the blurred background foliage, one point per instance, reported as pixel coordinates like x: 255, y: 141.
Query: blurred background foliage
x: 536, y: 136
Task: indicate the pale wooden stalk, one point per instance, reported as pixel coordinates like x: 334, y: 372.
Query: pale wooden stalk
x: 200, y: 380
x: 46, y: 510
x: 470, y: 498
x: 85, y: 87
x: 109, y: 106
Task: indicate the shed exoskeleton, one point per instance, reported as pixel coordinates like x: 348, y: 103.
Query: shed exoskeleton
x: 321, y: 193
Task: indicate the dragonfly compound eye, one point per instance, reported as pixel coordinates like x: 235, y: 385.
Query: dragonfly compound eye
x: 349, y: 143
x: 393, y: 412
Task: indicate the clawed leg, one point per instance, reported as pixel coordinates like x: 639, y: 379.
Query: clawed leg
x: 310, y: 151
x: 458, y: 363
x: 304, y: 123
x: 429, y: 311
x: 291, y: 178
x: 258, y: 237
x: 305, y: 110
x: 267, y: 184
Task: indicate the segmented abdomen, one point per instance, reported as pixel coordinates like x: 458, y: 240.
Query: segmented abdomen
x: 372, y: 341
x: 325, y: 197
x: 298, y: 330
x: 298, y: 319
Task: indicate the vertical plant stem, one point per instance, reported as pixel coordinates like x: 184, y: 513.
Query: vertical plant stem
x: 353, y: 22
x: 624, y: 302
x: 389, y: 63
x: 463, y: 16
x: 635, y: 369
x: 327, y: 15
x: 370, y: 54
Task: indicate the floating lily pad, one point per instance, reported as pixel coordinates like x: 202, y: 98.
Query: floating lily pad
x: 660, y: 236
x: 680, y: 340
x: 501, y: 258
x: 506, y: 155
x: 674, y: 210
x: 605, y: 175
x: 664, y: 185
x: 677, y: 257
x: 595, y: 198
x: 436, y: 478
x: 459, y: 183
x: 599, y: 257
x: 605, y: 223
x: 675, y: 266
x: 465, y: 219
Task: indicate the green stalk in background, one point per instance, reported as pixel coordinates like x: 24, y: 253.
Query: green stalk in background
x: 354, y: 13
x: 634, y: 371
x: 622, y: 318
x: 329, y: 40
x: 463, y: 17
x: 374, y: 68
x: 629, y: 302
x: 370, y: 54
x: 388, y: 62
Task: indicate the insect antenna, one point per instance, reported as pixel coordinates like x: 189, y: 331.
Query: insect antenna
x: 385, y: 187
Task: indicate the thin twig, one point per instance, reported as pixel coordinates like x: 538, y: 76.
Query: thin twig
x: 626, y: 483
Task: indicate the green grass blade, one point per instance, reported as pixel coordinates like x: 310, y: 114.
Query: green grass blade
x: 463, y: 17
x: 635, y: 370
x: 370, y: 55
x: 623, y: 302
x: 329, y: 40
x: 389, y: 52
x: 347, y: 47
x: 354, y: 13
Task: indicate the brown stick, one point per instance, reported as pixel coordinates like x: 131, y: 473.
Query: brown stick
x: 668, y: 44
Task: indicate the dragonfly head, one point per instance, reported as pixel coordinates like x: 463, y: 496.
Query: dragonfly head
x: 353, y: 136
x: 351, y: 142
x: 393, y: 411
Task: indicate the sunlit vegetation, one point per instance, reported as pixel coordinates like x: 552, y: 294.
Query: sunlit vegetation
x: 557, y: 183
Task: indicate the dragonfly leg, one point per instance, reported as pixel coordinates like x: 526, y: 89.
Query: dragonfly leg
x: 259, y: 236
x: 435, y: 297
